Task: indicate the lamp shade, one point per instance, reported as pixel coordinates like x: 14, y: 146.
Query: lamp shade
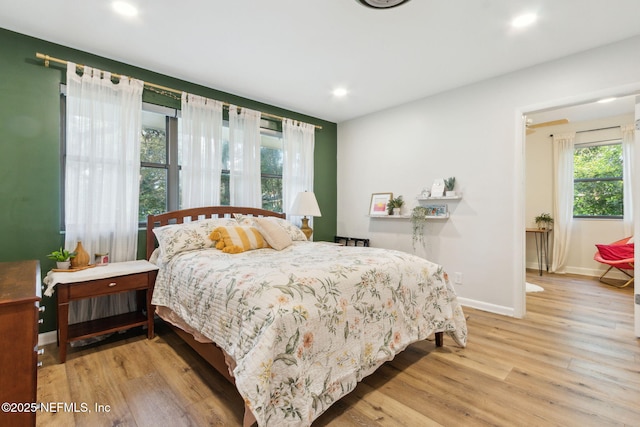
x: 305, y: 204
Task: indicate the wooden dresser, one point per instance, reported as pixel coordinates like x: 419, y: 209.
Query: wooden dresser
x: 19, y: 313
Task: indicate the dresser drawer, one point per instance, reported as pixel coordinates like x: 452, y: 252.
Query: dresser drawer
x: 108, y: 286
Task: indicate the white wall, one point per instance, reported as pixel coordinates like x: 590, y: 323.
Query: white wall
x: 539, y: 189
x: 475, y: 134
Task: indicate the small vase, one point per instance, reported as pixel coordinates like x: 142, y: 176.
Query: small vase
x: 82, y: 257
x: 396, y: 211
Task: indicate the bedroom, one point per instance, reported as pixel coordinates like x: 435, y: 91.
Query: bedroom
x: 484, y: 158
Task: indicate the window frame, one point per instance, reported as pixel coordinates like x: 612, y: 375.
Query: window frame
x: 579, y: 146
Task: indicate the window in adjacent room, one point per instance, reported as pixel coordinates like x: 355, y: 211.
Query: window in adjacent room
x: 598, y: 183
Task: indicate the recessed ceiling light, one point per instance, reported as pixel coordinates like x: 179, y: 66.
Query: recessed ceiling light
x: 605, y: 100
x: 524, y: 20
x: 124, y: 8
x: 340, y: 92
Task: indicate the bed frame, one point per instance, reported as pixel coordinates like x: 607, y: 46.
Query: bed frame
x: 211, y: 352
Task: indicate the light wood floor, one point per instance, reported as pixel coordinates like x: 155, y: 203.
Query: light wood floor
x: 573, y: 361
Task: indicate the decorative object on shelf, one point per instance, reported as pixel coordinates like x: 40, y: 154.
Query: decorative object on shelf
x: 437, y: 210
x: 418, y: 221
x: 305, y: 205
x: 379, y: 203
x: 425, y: 193
x: 102, y: 259
x: 62, y: 258
x: 82, y: 257
x: 394, y: 206
x: 544, y: 221
x: 449, y: 184
x: 437, y: 189
x: 382, y: 4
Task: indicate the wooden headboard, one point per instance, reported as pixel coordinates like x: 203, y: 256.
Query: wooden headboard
x: 194, y: 214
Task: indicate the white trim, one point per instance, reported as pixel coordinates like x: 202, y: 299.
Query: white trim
x: 491, y: 308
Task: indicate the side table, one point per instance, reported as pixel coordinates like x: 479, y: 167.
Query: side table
x: 111, y: 279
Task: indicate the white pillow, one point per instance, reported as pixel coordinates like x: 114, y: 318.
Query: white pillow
x: 277, y: 237
x: 189, y: 236
x: 294, y: 232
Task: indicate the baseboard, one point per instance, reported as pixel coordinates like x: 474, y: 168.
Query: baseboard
x: 484, y: 306
x: 591, y: 272
x: 47, y: 338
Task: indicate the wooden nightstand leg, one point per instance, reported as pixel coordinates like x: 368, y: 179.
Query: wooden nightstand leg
x: 63, y: 329
x: 151, y: 309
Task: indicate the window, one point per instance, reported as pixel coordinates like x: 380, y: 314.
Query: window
x: 598, y: 184
x: 160, y: 169
x: 160, y: 166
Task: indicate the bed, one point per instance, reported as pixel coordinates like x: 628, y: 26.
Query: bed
x: 297, y: 327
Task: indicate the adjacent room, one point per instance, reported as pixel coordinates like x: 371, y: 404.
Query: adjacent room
x: 346, y: 212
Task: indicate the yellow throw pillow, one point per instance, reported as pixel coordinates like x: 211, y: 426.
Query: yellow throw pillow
x: 233, y: 240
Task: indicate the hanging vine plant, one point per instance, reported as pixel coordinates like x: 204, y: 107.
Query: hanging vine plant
x: 418, y: 222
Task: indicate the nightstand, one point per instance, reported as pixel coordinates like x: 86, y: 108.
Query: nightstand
x: 99, y: 281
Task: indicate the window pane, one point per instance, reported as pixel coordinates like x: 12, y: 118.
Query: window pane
x: 271, y: 160
x: 598, y: 198
x: 225, y: 197
x: 153, y: 146
x: 598, y: 188
x: 153, y: 192
x: 272, y: 193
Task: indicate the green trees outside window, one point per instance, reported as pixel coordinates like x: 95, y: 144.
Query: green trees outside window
x: 598, y: 185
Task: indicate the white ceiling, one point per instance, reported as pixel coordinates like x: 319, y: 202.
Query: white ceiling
x: 293, y: 53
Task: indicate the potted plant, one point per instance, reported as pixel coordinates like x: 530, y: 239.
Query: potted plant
x: 394, y: 206
x: 544, y: 221
x: 62, y: 257
x: 418, y: 221
x: 449, y: 184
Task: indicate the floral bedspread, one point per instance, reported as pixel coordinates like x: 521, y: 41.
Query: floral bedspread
x: 305, y: 324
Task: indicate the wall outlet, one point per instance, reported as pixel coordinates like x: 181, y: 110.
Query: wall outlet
x: 457, y: 278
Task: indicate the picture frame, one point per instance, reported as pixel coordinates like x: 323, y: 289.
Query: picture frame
x: 378, y: 205
x: 437, y: 210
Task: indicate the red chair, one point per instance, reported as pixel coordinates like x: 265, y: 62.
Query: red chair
x: 617, y: 255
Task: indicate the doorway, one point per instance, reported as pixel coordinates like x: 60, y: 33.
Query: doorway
x: 594, y: 121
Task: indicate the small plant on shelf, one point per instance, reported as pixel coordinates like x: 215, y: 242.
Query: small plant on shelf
x: 62, y: 257
x: 449, y: 183
x: 395, y: 203
x: 418, y: 221
x: 544, y: 221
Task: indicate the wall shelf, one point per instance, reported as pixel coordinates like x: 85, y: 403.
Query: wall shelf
x: 407, y: 216
x: 426, y: 199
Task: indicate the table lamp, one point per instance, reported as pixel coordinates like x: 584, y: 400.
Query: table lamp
x: 305, y: 205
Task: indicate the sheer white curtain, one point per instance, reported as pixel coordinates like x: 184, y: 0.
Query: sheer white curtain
x: 245, y: 187
x: 563, y: 148
x: 102, y: 173
x: 297, y: 167
x: 201, y: 142
x: 628, y: 135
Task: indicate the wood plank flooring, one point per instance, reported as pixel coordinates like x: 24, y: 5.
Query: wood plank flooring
x: 573, y: 361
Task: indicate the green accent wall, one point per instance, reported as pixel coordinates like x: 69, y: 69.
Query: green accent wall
x: 30, y: 148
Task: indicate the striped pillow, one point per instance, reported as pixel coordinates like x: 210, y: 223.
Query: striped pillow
x: 233, y: 240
